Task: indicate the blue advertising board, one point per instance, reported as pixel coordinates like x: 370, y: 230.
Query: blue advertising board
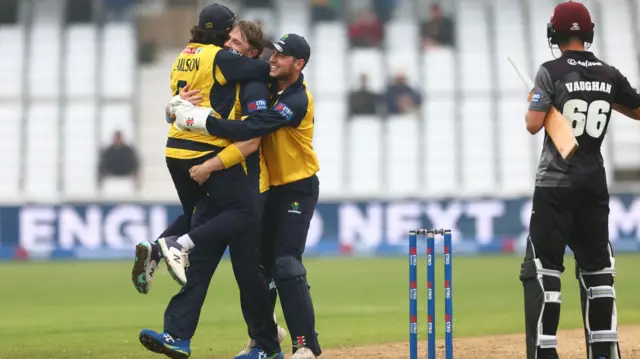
x: 485, y: 225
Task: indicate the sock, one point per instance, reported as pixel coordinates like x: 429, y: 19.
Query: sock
x: 156, y: 253
x: 186, y: 242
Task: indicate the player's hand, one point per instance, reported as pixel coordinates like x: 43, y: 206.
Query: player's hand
x: 200, y: 173
x: 530, y: 96
x: 191, y: 95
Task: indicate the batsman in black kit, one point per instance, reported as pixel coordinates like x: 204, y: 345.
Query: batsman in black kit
x: 571, y: 199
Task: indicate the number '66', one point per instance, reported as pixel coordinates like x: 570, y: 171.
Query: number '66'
x: 589, y: 117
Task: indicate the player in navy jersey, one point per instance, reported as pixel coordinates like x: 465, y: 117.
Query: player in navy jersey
x: 571, y: 198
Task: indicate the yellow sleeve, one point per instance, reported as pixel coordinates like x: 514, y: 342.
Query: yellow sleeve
x: 230, y: 156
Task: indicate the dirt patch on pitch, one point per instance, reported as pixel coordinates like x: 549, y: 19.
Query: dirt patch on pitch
x: 571, y: 346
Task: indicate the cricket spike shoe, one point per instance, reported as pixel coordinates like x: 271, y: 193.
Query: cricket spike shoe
x: 145, y: 264
x: 257, y: 353
x: 282, y: 333
x: 304, y: 353
x: 176, y: 257
x: 164, y: 343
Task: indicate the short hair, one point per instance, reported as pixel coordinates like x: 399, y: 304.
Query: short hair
x: 209, y: 37
x: 253, y: 33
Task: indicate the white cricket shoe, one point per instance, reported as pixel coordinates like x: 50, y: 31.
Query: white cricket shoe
x: 176, y: 257
x: 304, y: 353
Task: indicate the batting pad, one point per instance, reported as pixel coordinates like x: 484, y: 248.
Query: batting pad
x: 598, y: 297
x: 542, y: 304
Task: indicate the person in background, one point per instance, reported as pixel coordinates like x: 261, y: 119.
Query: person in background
x: 439, y: 30
x: 366, y: 30
x: 384, y: 9
x: 8, y: 11
x: 363, y: 101
x: 118, y: 160
x: 258, y: 4
x: 322, y: 10
x: 400, y: 97
x: 119, y: 10
x: 77, y: 12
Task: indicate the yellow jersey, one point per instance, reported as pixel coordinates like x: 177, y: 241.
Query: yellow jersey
x: 215, y: 72
x: 287, y: 129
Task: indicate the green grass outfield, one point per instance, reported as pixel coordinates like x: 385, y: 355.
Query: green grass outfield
x: 91, y: 310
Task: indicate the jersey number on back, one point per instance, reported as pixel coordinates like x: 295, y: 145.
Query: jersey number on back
x: 179, y: 86
x: 587, y: 117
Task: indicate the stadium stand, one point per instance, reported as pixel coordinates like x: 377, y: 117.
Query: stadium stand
x: 72, y: 85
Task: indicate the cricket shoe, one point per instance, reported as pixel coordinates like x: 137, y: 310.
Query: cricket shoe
x: 176, y: 257
x: 145, y: 264
x: 282, y: 333
x: 304, y: 353
x: 257, y: 353
x: 164, y: 343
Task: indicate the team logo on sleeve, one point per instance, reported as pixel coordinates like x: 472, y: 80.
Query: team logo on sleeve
x: 535, y: 97
x: 284, y: 110
x: 258, y: 105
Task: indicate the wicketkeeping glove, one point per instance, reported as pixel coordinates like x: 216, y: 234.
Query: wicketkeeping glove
x: 191, y: 118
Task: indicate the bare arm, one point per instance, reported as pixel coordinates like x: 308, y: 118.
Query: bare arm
x: 535, y: 121
x: 201, y: 173
x: 249, y: 146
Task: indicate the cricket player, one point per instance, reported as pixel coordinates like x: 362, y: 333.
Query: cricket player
x: 571, y: 199
x: 230, y: 216
x: 287, y: 147
x: 247, y: 38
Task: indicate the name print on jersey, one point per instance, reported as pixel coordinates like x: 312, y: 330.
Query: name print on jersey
x: 187, y: 65
x: 588, y: 86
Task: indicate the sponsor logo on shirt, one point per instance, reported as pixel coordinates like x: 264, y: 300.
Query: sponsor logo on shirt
x: 285, y: 111
x: 535, y: 97
x: 257, y: 105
